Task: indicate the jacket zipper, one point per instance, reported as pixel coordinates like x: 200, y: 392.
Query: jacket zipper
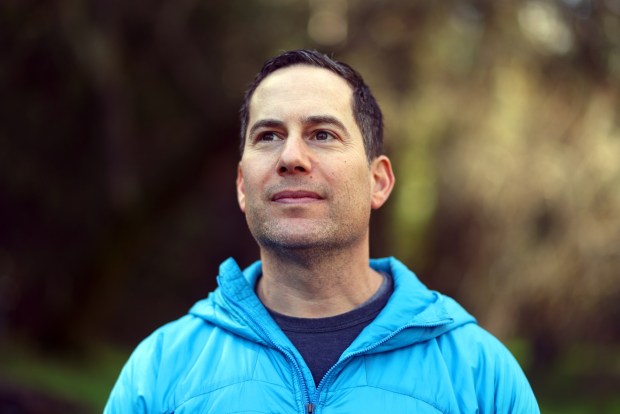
x: 365, y: 350
x: 300, y: 375
x: 310, y: 406
x: 302, y: 382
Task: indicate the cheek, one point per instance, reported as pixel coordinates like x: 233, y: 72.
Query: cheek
x: 253, y: 187
x: 356, y: 186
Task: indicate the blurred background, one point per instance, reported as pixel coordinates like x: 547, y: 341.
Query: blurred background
x: 118, y: 152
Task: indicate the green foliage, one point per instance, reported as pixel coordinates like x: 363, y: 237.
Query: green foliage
x: 85, y: 380
x: 118, y: 149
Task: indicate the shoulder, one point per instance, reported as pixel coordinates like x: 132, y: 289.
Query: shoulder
x: 475, y: 356
x: 158, y: 362
x: 172, y: 336
x: 470, y: 348
x: 185, y: 362
x: 475, y: 343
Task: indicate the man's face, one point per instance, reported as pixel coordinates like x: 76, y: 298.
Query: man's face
x: 304, y: 180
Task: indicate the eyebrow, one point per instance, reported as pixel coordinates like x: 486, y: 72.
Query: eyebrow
x: 309, y: 120
x: 265, y: 123
x: 324, y: 119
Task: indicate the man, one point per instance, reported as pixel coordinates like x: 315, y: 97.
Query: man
x: 316, y: 326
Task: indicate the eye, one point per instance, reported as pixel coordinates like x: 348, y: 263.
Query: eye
x: 267, y: 136
x: 323, y: 136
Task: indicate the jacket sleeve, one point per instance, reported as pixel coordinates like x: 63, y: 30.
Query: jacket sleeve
x: 503, y: 387
x: 489, y: 379
x: 134, y: 390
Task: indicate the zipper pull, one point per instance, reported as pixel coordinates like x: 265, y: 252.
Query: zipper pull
x: 310, y: 408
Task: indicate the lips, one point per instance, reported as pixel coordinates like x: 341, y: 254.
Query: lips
x: 296, y: 196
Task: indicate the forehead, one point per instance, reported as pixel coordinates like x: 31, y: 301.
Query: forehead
x: 302, y: 90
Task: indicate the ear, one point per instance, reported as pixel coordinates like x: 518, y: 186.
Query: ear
x: 382, y: 181
x: 240, y: 188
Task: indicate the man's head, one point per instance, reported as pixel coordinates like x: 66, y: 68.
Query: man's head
x: 365, y: 108
x: 306, y: 180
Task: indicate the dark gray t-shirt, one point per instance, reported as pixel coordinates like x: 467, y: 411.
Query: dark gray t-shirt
x: 321, y: 341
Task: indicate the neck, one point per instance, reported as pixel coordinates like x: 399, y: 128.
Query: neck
x: 311, y: 284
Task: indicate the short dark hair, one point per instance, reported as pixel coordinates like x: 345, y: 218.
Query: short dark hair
x: 364, y: 105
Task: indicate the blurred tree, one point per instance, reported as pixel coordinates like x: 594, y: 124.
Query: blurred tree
x: 119, y: 135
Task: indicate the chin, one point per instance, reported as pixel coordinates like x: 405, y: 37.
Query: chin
x: 295, y: 241
x: 305, y: 234
x: 300, y: 242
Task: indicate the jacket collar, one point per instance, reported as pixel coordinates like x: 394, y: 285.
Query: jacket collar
x: 413, y: 314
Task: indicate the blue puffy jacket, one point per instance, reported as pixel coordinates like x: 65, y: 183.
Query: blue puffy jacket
x: 422, y: 354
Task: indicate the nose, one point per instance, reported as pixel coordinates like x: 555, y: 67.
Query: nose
x: 295, y: 157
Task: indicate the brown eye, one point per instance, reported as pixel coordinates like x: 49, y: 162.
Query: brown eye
x: 267, y: 136
x: 322, y: 136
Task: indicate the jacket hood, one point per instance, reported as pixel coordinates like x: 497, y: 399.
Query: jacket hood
x: 413, y: 313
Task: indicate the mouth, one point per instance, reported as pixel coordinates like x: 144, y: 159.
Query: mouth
x: 296, y: 197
